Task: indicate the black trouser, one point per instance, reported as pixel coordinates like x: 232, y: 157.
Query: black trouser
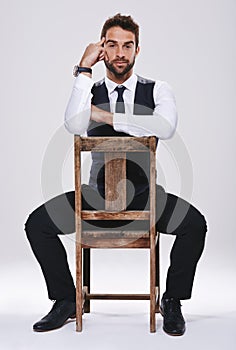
x: 174, y: 216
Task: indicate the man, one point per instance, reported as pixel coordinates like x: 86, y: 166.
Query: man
x: 121, y: 104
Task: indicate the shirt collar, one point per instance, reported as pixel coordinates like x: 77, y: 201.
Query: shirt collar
x: 130, y: 83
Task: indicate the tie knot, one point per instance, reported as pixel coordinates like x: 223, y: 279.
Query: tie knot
x: 120, y: 89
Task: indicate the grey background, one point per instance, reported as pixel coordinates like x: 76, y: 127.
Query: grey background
x: 191, y: 45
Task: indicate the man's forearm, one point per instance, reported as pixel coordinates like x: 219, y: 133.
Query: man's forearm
x: 101, y: 116
x: 136, y: 125
x: 78, y: 110
x: 145, y: 125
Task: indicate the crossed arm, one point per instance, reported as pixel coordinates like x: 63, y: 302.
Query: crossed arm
x: 80, y: 111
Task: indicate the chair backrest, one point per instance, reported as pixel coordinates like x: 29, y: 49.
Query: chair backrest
x: 115, y: 149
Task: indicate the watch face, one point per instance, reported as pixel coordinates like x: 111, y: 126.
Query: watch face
x: 76, y: 71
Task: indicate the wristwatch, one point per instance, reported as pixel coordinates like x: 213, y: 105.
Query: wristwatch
x: 77, y: 69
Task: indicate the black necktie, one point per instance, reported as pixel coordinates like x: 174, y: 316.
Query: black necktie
x: 120, y: 106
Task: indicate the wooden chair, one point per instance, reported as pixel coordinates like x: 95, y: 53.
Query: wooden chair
x: 115, y: 149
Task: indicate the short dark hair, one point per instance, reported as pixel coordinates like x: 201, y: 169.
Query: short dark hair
x: 125, y: 22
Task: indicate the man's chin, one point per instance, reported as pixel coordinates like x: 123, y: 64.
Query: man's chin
x: 118, y: 71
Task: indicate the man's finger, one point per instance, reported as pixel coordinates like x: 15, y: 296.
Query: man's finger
x: 101, y: 53
x: 101, y: 41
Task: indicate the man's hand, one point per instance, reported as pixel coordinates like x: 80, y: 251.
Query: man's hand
x: 101, y: 116
x: 92, y: 54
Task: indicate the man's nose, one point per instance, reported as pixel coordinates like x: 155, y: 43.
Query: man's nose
x: 120, y: 51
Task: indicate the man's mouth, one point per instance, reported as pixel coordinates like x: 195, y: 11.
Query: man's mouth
x: 120, y: 62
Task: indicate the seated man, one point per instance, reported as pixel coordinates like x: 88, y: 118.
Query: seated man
x: 122, y: 104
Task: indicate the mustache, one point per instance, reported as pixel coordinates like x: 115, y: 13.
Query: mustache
x: 120, y: 60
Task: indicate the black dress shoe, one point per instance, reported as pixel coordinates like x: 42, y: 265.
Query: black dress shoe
x: 173, y: 323
x: 61, y: 311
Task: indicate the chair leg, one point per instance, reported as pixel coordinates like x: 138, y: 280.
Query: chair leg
x: 152, y: 192
x: 86, y: 277
x: 153, y: 286
x: 79, y: 295
x: 158, y: 273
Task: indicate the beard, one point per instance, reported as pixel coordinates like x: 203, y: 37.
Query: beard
x: 119, y: 73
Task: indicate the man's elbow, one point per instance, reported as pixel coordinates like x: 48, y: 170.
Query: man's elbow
x: 166, y: 127
x: 168, y: 133
x: 73, y: 129
x: 75, y: 125
x: 69, y: 127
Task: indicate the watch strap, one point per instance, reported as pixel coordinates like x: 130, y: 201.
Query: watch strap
x: 78, y: 70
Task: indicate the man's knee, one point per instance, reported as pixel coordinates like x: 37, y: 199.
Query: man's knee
x: 186, y: 219
x: 199, y: 221
x: 196, y: 223
x: 34, y: 223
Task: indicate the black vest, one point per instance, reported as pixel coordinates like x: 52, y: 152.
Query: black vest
x: 137, y: 166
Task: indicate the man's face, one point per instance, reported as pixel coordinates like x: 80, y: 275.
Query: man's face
x: 120, y: 51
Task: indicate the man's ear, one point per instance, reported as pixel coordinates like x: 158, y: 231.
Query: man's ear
x: 137, y: 50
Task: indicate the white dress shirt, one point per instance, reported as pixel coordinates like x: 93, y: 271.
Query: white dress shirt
x: 161, y: 124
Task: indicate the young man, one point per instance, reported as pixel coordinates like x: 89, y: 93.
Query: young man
x: 121, y: 104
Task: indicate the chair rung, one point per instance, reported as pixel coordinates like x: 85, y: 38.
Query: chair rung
x: 119, y: 296
x: 112, y: 215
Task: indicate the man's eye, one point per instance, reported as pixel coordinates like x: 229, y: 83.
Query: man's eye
x: 111, y: 45
x: 128, y: 46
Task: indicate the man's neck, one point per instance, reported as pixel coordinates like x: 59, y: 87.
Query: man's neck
x: 118, y: 80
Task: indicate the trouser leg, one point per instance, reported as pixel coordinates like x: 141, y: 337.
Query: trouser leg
x: 43, y: 226
x: 177, y: 217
